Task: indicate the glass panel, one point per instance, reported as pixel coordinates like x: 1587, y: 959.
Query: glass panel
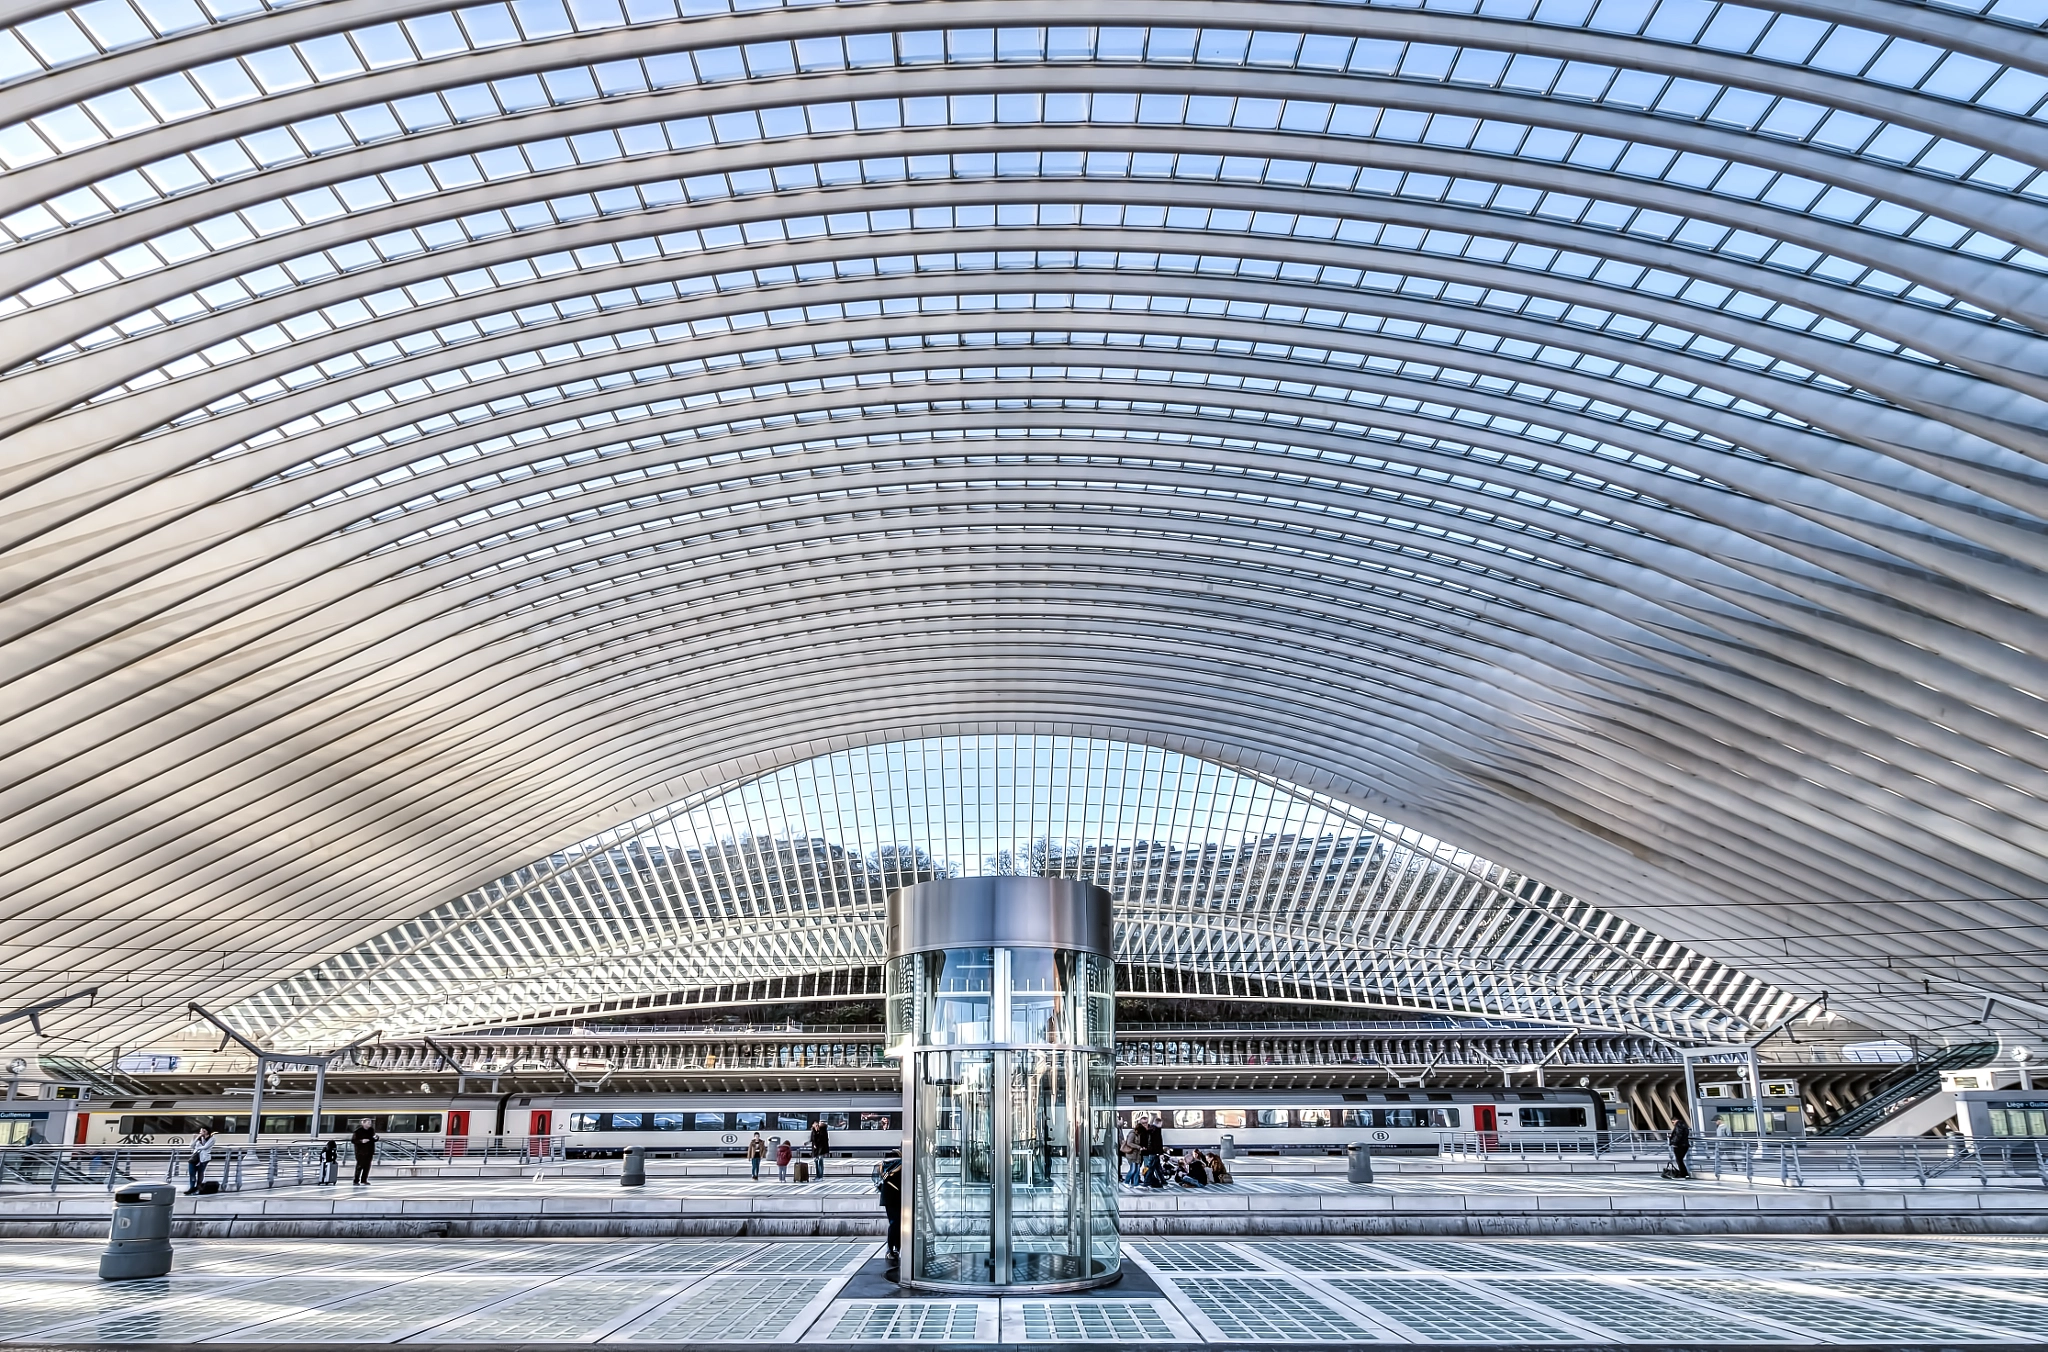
x: 749, y: 1121
x: 1102, y: 1165
x: 1230, y: 1117
x: 959, y: 984
x: 952, y: 1226
x: 625, y: 1121
x: 1042, y: 987
x: 1046, y: 1223
x: 706, y: 1121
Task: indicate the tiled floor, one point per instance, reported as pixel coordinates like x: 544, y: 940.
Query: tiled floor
x: 1867, y: 1292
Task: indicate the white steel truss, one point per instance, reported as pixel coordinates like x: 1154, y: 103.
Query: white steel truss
x: 1224, y: 883
x: 1604, y: 434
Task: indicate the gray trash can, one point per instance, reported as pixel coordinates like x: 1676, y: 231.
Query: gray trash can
x: 1229, y: 1147
x: 139, y: 1244
x: 1358, y: 1169
x: 634, y: 1175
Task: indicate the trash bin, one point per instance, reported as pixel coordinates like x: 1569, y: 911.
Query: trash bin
x: 1358, y: 1169
x: 1230, y: 1147
x: 634, y: 1175
x: 139, y: 1244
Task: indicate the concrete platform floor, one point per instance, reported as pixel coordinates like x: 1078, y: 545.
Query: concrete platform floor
x: 1668, y: 1292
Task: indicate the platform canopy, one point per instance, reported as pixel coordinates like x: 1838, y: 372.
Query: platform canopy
x: 1606, y: 436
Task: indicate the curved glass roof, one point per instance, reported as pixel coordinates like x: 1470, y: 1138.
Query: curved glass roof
x: 1225, y: 884
x: 1606, y: 435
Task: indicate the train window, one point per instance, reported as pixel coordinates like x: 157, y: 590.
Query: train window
x: 669, y: 1121
x: 625, y: 1121
x: 833, y: 1121
x: 880, y: 1122
x: 749, y: 1121
x: 706, y: 1121
x: 417, y: 1124
x: 584, y: 1121
x: 1312, y: 1117
x: 166, y: 1125
x: 1230, y: 1117
x: 1272, y: 1117
x: 1188, y: 1119
x: 792, y: 1122
x: 1553, y: 1117
x: 285, y: 1124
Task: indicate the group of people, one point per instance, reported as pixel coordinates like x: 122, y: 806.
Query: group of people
x: 363, y: 1139
x: 785, y: 1153
x: 1149, y: 1164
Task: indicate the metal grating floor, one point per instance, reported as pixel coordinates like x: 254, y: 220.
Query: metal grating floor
x: 1183, y: 1255
x: 904, y: 1321
x: 733, y: 1310
x: 807, y: 1257
x: 1438, y: 1309
x: 1088, y: 1321
x: 1269, y: 1309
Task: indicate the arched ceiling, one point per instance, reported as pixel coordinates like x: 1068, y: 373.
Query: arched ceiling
x: 1225, y: 884
x: 1606, y: 436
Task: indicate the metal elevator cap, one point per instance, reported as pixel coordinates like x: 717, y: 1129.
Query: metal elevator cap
x: 1000, y: 912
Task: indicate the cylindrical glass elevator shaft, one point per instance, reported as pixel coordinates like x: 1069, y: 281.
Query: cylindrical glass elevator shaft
x: 1002, y: 1006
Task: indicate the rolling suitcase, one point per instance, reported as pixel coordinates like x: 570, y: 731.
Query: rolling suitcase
x: 803, y: 1171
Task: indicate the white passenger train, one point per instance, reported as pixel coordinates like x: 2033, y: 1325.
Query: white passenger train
x: 863, y: 1123
x: 1391, y: 1119
x: 589, y: 1124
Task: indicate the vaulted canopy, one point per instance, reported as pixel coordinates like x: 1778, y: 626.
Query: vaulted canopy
x: 1605, y: 435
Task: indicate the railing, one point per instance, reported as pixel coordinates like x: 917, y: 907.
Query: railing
x: 235, y: 1168
x: 246, y: 1168
x: 1482, y: 1145
x: 1836, y: 1160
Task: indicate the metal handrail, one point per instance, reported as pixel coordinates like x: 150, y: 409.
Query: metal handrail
x: 1918, y: 1159
x: 243, y: 1168
x: 1551, y: 1143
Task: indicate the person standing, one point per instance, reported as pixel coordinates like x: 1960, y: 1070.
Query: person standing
x: 202, y: 1155
x: 757, y: 1150
x: 1153, y: 1144
x: 889, y: 1190
x: 364, y: 1139
x: 821, y: 1143
x: 1681, y: 1142
x: 783, y: 1155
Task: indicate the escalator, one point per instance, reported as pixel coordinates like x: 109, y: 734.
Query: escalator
x: 1906, y: 1086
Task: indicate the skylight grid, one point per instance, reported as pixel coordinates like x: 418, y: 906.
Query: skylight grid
x: 1954, y: 76
x: 1338, y: 393
x: 1213, y: 867
x: 1662, y: 282
x: 1482, y: 460
x: 434, y: 384
x: 1598, y: 154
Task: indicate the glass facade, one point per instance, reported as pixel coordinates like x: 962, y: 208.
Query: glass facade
x: 1010, y: 1077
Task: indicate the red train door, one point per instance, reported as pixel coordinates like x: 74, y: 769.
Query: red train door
x: 1486, y: 1122
x: 458, y: 1133
x: 538, y: 1133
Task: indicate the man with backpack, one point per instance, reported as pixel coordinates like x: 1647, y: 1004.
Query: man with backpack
x: 888, y: 1178
x: 821, y: 1143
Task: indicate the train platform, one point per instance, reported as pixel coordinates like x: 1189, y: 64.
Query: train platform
x: 711, y: 1293
x: 546, y: 1204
